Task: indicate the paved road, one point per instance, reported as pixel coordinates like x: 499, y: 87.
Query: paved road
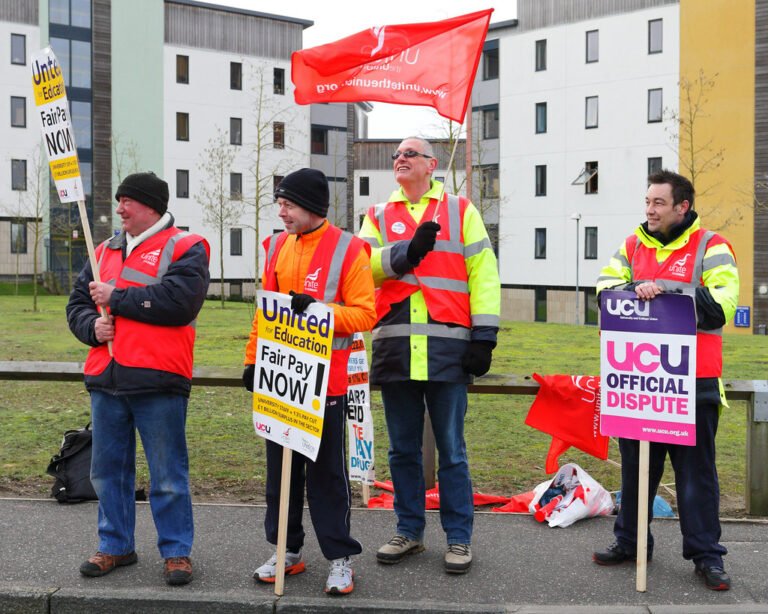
x: 520, y: 566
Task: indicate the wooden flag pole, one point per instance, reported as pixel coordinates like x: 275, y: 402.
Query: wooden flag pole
x: 282, y: 523
x: 91, y: 255
x: 366, y: 494
x: 450, y: 164
x: 642, y: 517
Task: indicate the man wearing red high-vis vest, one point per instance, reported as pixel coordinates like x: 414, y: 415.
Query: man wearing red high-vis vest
x: 437, y: 307
x: 313, y: 260
x: 154, y: 281
x: 671, y: 252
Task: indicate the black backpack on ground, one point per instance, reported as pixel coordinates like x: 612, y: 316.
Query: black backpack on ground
x: 72, y: 468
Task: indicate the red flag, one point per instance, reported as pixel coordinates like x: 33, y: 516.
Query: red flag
x: 568, y: 408
x: 431, y: 64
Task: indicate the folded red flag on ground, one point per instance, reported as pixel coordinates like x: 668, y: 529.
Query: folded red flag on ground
x: 431, y: 64
x: 517, y: 504
x: 568, y: 408
x: 386, y: 500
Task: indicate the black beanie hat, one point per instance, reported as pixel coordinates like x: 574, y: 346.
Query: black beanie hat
x: 308, y: 188
x: 146, y: 188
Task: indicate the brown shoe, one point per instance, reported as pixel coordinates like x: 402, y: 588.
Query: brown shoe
x: 178, y: 570
x: 100, y: 564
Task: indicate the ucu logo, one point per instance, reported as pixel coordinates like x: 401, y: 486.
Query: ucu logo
x: 626, y: 307
x: 678, y: 266
x: 264, y: 428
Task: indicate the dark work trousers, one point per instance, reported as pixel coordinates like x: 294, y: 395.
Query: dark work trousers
x: 698, y: 491
x: 328, y: 492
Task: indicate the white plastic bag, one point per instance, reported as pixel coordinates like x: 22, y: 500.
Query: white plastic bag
x: 582, y: 497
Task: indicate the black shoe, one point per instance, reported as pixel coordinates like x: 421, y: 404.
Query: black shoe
x: 715, y: 578
x: 615, y: 554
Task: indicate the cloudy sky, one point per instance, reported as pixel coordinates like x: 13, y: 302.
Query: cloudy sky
x: 334, y: 19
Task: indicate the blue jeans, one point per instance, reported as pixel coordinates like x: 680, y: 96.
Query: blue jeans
x: 404, y: 405
x: 160, y: 419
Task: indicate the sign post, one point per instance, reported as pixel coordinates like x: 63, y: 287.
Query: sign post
x: 648, y: 380
x: 293, y: 358
x: 359, y: 419
x: 53, y: 111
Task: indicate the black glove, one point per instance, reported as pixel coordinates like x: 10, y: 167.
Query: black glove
x: 300, y: 302
x: 423, y: 242
x: 477, y: 358
x: 248, y: 374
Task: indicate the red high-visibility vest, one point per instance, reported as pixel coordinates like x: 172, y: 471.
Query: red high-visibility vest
x: 683, y: 269
x: 137, y: 344
x: 335, y: 252
x: 442, y: 274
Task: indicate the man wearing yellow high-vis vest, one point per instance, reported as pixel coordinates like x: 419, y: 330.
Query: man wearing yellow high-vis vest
x: 437, y: 306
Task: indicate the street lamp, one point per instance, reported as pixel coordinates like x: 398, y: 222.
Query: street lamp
x: 577, y: 217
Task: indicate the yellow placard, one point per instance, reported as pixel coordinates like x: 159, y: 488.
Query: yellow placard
x: 64, y: 168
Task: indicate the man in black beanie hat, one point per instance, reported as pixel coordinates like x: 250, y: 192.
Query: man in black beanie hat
x: 309, y: 245
x: 139, y: 372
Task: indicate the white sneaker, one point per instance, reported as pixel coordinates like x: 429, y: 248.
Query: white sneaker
x: 340, y: 577
x: 294, y: 564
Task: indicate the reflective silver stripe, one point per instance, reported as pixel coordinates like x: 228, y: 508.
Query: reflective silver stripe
x: 386, y: 262
x: 379, y: 213
x: 698, y: 263
x: 448, y: 247
x: 454, y: 218
x: 138, y: 277
x: 167, y: 254
x: 622, y: 259
x: 410, y: 278
x: 477, y: 247
x: 341, y: 343
x: 718, y: 260
x: 272, y: 244
x: 372, y: 241
x: 431, y: 330
x: 334, y: 269
x: 618, y: 280
x: 485, y: 319
x: 441, y: 283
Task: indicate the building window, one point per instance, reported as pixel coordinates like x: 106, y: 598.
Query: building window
x: 654, y: 165
x: 541, y: 54
x: 590, y: 187
x: 541, y: 117
x: 279, y: 81
x: 490, y: 64
x: 540, y: 244
x: 18, y: 111
x: 235, y: 76
x: 319, y: 141
x: 236, y: 186
x: 182, y: 126
x: 278, y: 135
x: 19, y: 49
x: 81, y: 64
x: 593, y: 46
x: 655, y: 36
x: 541, y: 180
x: 491, y: 123
x: 18, y: 238
x: 276, y: 179
x: 588, y: 178
x: 489, y: 184
x: 540, y: 304
x: 19, y: 175
x: 365, y: 188
x: 235, y: 241
x: 235, y: 131
x: 182, y: 69
x: 590, y: 243
x: 655, y: 102
x: 182, y: 183
x: 590, y: 112
x: 80, y: 114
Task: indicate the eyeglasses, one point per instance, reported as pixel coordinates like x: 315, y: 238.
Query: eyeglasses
x: 409, y: 154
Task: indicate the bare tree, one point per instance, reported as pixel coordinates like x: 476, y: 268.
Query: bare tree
x: 221, y: 208
x: 35, y: 203
x: 269, y: 158
x: 125, y: 156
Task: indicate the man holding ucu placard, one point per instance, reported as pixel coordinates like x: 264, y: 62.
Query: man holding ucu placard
x: 671, y: 252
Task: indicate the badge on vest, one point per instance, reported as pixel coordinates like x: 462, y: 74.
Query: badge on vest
x: 678, y: 268
x: 398, y: 228
x: 151, y: 258
x: 310, y: 283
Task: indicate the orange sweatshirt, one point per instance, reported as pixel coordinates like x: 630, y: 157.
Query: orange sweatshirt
x: 357, y: 314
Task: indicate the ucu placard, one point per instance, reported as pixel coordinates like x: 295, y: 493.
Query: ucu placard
x: 648, y: 367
